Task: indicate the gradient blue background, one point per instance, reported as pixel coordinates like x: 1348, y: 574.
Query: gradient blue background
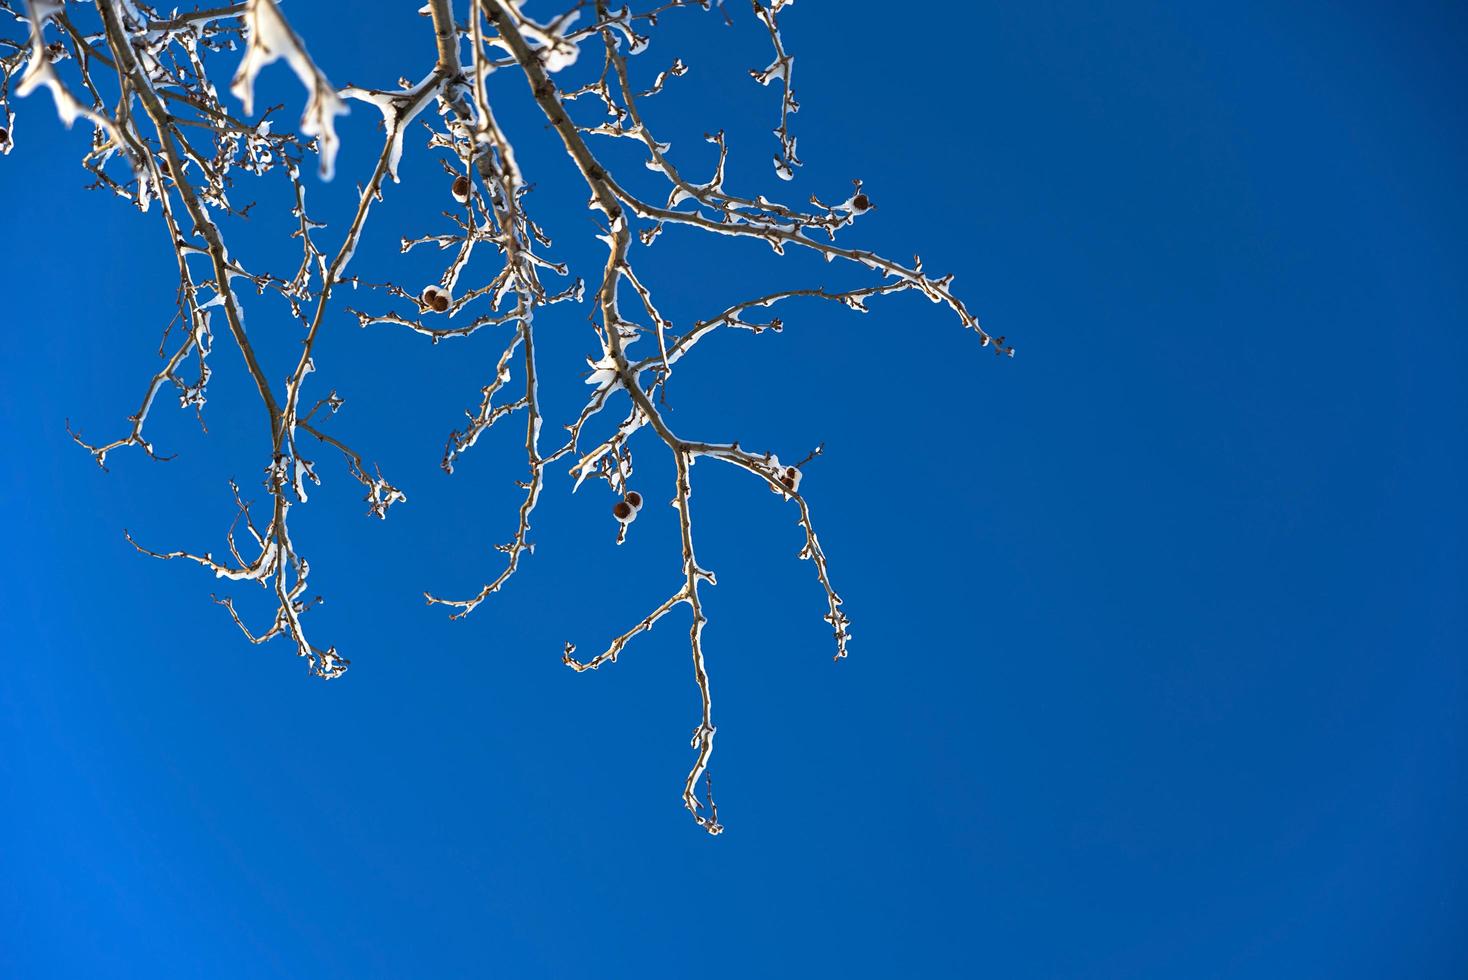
x: 1158, y: 666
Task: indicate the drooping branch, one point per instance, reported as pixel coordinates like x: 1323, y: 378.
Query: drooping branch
x: 164, y: 141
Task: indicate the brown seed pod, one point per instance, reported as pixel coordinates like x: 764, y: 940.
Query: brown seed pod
x: 461, y: 189
x: 435, y: 299
x: 861, y: 202
x: 622, y: 511
x: 634, y: 498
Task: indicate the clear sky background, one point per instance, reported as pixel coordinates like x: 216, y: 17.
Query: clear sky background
x: 1158, y: 659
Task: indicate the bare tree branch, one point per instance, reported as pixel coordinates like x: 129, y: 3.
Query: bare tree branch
x: 164, y: 141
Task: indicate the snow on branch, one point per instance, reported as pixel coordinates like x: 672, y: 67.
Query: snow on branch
x: 144, y: 78
x: 268, y: 38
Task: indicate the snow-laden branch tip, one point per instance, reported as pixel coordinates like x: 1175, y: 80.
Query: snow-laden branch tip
x: 268, y: 37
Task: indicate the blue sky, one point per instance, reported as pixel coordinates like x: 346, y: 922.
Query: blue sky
x: 1157, y: 666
